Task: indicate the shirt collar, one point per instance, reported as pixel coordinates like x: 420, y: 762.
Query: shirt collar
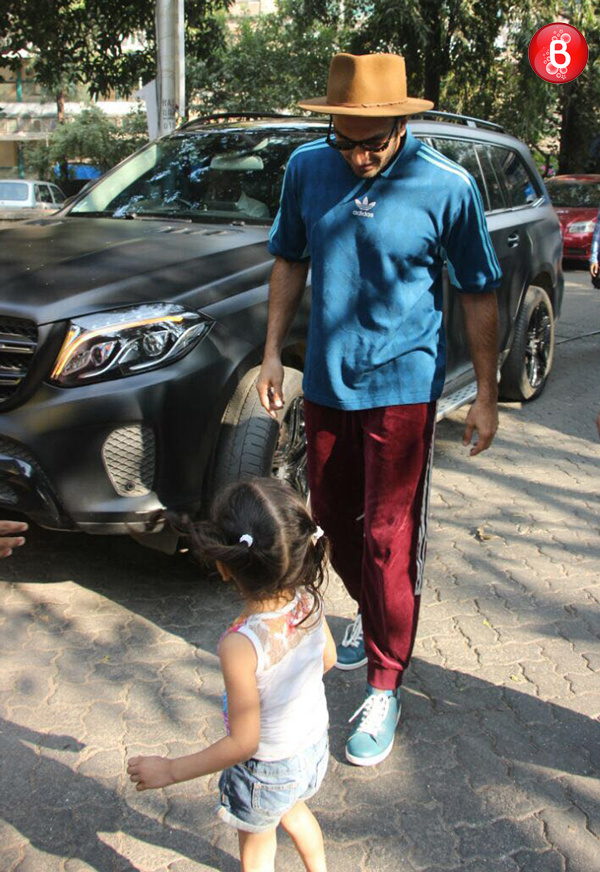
x: 411, y: 145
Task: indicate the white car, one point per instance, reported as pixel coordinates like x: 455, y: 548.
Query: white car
x: 28, y: 198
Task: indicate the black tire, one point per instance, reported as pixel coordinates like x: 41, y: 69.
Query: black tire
x: 527, y: 367
x: 251, y: 443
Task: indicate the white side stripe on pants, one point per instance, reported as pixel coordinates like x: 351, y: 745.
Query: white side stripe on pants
x: 422, y: 542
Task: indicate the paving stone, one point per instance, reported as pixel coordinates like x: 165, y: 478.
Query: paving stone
x: 487, y: 864
x: 545, y: 861
x: 501, y: 837
x: 568, y: 833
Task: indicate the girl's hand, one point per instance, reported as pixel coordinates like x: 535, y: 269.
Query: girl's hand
x: 148, y: 773
x: 9, y: 537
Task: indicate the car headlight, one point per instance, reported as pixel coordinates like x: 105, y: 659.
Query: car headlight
x: 582, y: 227
x: 125, y: 342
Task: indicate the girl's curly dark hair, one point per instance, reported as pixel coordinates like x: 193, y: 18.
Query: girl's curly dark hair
x: 283, y: 555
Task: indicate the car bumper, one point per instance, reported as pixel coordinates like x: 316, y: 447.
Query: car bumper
x: 106, y: 458
x: 577, y: 247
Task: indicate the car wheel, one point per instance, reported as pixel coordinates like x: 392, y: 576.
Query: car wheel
x: 251, y: 443
x: 527, y: 367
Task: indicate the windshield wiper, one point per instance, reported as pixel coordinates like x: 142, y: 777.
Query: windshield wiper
x: 132, y: 216
x: 165, y: 216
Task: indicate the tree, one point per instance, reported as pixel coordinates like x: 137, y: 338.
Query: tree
x: 267, y: 63
x: 471, y: 57
x: 82, y: 41
x: 580, y: 99
x: 91, y: 136
x: 559, y: 122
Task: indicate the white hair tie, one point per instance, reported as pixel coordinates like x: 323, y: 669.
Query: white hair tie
x: 247, y: 538
x: 317, y: 534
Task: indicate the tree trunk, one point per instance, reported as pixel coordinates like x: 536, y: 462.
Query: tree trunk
x: 61, y: 118
x: 435, y: 56
x: 572, y: 152
x: 60, y: 106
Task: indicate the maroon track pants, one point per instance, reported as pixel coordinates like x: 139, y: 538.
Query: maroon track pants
x: 369, y: 474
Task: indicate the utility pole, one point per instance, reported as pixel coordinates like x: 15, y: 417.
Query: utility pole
x: 181, y: 59
x: 170, y: 51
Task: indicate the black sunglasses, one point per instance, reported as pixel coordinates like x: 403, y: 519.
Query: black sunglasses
x: 368, y: 144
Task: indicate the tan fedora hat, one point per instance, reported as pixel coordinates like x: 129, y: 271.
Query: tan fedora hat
x: 368, y: 85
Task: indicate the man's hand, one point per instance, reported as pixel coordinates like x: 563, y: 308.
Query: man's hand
x: 148, y: 773
x: 594, y: 269
x: 8, y: 537
x: 270, y: 385
x: 483, y: 417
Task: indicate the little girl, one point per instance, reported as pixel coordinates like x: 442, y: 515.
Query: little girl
x: 264, y: 541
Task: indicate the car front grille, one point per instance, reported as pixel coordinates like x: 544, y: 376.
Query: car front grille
x: 18, y: 343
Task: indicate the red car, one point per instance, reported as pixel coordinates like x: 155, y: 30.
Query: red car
x: 576, y: 199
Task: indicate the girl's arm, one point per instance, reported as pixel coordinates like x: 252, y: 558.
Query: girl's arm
x: 238, y: 662
x: 330, y: 653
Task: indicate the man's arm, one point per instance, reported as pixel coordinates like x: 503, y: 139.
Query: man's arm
x: 288, y: 280
x: 480, y: 314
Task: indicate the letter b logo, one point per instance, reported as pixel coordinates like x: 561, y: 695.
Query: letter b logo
x: 558, y: 47
x: 558, y: 53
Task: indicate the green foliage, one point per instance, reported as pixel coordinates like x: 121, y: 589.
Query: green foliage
x: 468, y: 56
x: 81, y: 41
x: 267, y: 63
x: 557, y: 121
x: 92, y: 137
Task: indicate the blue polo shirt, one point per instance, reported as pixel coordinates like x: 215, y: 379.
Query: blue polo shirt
x: 376, y: 247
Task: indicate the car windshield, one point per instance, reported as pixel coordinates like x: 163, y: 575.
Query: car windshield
x: 574, y: 194
x: 13, y: 191
x: 208, y: 175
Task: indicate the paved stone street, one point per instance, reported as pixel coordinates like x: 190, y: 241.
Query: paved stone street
x: 108, y: 650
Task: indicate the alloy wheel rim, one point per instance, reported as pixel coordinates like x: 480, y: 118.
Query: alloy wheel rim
x: 289, y: 459
x: 539, y: 345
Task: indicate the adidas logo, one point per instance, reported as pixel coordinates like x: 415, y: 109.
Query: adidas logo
x: 364, y: 207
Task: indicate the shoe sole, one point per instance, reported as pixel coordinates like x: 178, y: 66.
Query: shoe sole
x: 373, y: 761
x: 346, y: 667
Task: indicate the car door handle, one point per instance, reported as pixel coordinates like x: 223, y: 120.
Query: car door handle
x: 513, y: 240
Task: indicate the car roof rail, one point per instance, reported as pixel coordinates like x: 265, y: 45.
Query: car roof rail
x: 469, y: 120
x: 230, y: 116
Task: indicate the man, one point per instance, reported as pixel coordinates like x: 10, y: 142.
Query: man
x: 375, y: 211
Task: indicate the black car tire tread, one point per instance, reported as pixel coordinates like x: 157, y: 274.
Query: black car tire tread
x: 248, y: 434
x: 514, y: 383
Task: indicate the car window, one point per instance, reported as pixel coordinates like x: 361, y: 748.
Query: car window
x: 463, y: 153
x: 42, y: 194
x: 215, y: 175
x: 58, y: 195
x: 520, y: 186
x: 492, y: 181
x: 585, y: 194
x: 17, y: 191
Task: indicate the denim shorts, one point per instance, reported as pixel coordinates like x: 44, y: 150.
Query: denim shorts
x: 256, y: 794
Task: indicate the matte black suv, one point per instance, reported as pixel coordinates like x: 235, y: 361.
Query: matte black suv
x: 132, y: 322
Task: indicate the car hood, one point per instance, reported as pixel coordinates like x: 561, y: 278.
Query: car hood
x: 59, y: 268
x: 569, y: 214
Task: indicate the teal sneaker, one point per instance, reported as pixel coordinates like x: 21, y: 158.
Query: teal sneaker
x: 372, y: 738
x: 351, y: 650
